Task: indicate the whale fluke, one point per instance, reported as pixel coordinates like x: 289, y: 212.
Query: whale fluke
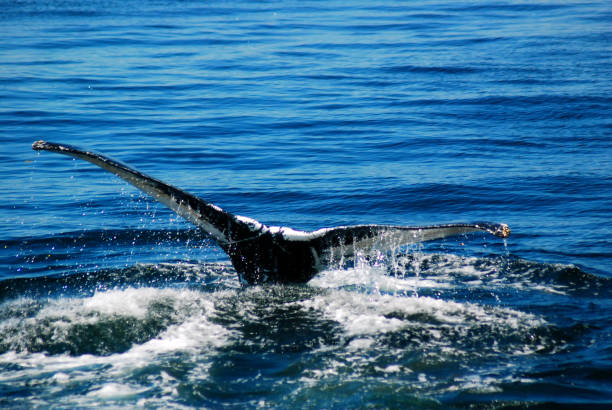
x: 262, y: 253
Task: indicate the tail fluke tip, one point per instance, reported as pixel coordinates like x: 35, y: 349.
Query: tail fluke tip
x: 39, y: 145
x: 503, y: 231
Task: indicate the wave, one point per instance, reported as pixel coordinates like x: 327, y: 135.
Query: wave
x: 430, y: 278
x: 136, y: 333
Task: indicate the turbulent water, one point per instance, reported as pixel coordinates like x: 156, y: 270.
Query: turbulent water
x: 308, y: 114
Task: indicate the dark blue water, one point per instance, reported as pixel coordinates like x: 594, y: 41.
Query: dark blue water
x: 307, y: 114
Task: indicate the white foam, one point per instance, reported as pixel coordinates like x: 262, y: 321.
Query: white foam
x: 194, y: 332
x: 394, y: 368
x: 60, y: 378
x: 360, y: 344
x: 442, y: 271
x: 114, y: 391
x: 376, y: 278
x: 367, y: 314
x: 129, y: 302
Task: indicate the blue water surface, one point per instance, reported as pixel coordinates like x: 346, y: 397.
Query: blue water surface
x: 307, y: 114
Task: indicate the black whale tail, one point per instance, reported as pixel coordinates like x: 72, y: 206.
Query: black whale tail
x: 222, y: 226
x: 272, y: 254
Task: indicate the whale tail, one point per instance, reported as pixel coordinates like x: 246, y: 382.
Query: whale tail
x: 263, y: 253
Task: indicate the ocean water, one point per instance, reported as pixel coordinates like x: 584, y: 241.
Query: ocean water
x: 308, y: 114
